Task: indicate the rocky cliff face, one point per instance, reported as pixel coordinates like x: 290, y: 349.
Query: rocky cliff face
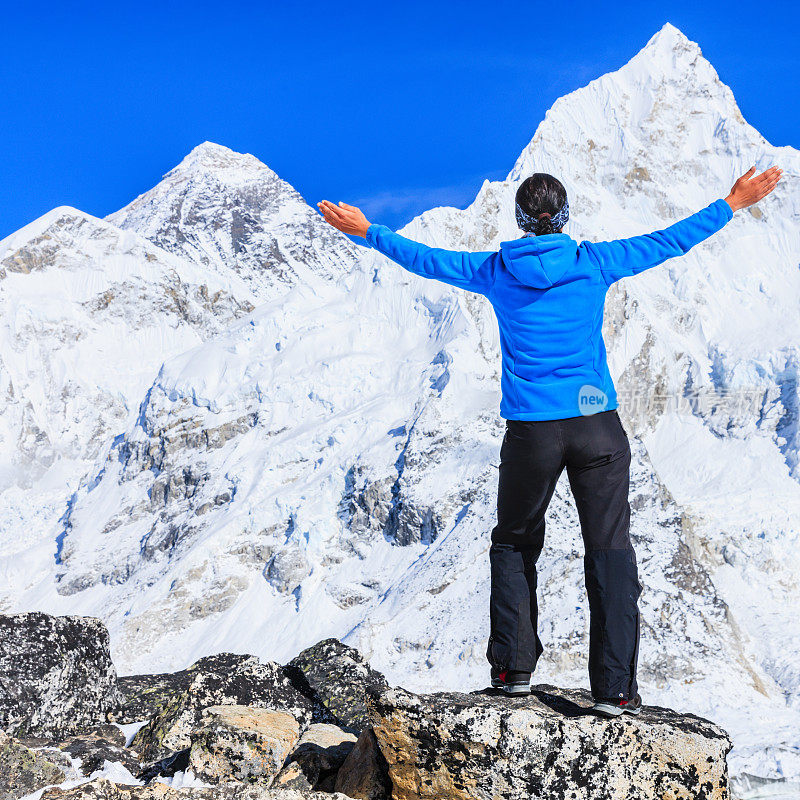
x: 327, y: 464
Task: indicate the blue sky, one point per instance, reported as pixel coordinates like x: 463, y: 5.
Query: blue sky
x: 395, y: 106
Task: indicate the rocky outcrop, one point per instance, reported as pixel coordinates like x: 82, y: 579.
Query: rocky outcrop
x: 316, y: 759
x: 239, y: 744
x: 56, y: 674
x: 224, y: 679
x: 548, y: 745
x: 23, y: 770
x: 337, y: 677
x: 249, y: 729
x: 102, y: 789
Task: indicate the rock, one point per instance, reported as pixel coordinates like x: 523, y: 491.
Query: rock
x: 94, y: 750
x: 546, y: 745
x: 23, y: 770
x: 165, y: 767
x: 144, y: 696
x: 365, y: 774
x: 224, y: 679
x: 61, y: 759
x: 316, y: 758
x: 111, y: 733
x: 58, y: 678
x: 336, y: 677
x: 287, y: 568
x: 242, y: 744
x: 103, y: 789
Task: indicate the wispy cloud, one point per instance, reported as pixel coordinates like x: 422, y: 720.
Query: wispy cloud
x: 395, y: 206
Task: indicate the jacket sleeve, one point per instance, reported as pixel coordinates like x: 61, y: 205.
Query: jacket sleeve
x: 624, y: 257
x: 471, y: 271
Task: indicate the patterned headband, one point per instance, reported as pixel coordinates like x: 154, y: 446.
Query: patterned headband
x: 526, y: 222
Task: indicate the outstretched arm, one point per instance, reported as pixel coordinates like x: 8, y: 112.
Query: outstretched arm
x: 466, y: 270
x: 625, y: 257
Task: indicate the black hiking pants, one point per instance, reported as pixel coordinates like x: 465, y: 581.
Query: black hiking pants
x: 596, y: 453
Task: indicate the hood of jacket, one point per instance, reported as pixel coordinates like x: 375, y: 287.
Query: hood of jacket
x: 540, y: 261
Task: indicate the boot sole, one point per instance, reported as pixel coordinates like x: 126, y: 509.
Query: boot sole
x: 512, y: 689
x: 607, y: 710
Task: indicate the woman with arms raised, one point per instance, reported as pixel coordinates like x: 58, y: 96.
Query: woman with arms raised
x: 560, y: 404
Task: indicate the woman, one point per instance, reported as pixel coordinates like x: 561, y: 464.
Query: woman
x: 559, y: 403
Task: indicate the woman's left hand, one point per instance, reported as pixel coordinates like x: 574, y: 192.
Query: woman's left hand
x: 347, y: 219
x: 747, y: 191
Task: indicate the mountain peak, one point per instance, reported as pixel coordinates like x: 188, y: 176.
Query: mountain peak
x: 667, y: 86
x: 57, y: 216
x: 666, y: 44
x: 668, y: 38
x: 212, y: 157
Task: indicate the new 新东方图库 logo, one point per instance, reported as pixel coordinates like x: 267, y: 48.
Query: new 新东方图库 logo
x: 591, y: 400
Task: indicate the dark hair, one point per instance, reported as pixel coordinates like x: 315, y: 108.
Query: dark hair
x: 539, y: 197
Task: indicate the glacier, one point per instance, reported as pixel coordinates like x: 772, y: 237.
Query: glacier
x: 228, y: 427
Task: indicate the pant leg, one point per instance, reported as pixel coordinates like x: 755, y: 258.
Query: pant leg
x: 598, y: 460
x: 531, y: 459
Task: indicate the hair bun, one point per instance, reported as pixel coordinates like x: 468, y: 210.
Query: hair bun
x: 543, y: 225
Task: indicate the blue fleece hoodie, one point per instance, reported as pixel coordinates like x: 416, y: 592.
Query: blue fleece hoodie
x: 548, y: 294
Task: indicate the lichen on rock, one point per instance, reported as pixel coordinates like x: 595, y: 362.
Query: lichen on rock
x: 103, y: 789
x: 239, y: 744
x: 23, y: 770
x: 57, y: 675
x: 223, y: 679
x: 337, y: 677
x: 316, y: 758
x: 547, y: 745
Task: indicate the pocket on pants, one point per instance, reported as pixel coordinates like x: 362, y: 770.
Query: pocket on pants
x: 496, y: 658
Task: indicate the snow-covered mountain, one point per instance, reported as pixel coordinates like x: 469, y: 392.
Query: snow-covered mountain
x: 326, y: 465
x: 230, y: 213
x: 89, y: 312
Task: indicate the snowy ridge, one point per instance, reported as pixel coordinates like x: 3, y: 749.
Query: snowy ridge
x: 327, y: 464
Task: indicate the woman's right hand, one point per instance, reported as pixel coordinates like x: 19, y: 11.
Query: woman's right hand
x: 749, y: 190
x: 346, y: 218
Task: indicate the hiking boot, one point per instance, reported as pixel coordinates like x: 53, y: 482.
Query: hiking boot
x: 615, y: 706
x: 511, y: 681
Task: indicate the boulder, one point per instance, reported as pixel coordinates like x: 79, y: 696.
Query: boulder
x: 365, y: 774
x: 547, y: 745
x: 58, y: 678
x: 337, y: 677
x: 103, y: 789
x: 23, y: 770
x: 224, y: 679
x: 144, y: 696
x: 93, y: 751
x: 316, y: 758
x: 240, y: 744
